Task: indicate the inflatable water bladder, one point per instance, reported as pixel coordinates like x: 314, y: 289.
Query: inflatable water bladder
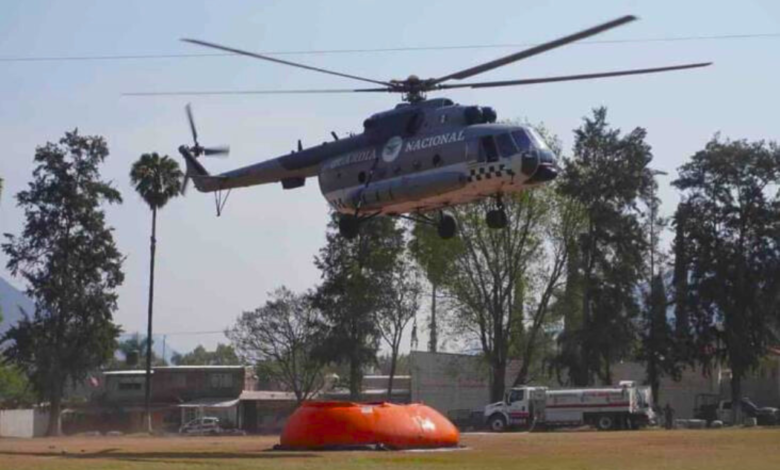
x: 344, y: 425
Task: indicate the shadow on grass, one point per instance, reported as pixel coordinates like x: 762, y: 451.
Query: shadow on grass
x: 169, y: 457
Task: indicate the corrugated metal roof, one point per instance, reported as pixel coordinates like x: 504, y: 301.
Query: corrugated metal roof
x: 125, y: 372
x: 210, y: 403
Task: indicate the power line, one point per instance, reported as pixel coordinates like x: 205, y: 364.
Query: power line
x: 190, y: 333
x: 382, y: 50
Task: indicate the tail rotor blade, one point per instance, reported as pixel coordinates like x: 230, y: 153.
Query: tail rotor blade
x: 222, y: 151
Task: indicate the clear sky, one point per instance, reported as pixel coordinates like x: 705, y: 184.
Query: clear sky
x: 209, y: 270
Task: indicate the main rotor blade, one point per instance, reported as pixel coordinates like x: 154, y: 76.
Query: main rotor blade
x: 280, y: 61
x: 191, y: 120
x: 470, y: 72
x: 566, y: 78
x: 257, y: 92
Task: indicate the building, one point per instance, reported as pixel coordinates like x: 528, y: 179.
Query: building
x: 178, y: 395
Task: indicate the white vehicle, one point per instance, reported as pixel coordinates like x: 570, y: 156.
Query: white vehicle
x: 626, y: 406
x: 201, y: 427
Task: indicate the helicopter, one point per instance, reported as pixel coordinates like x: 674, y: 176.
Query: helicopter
x: 413, y: 161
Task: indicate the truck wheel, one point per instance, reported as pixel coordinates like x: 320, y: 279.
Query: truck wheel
x: 497, y: 423
x: 605, y: 422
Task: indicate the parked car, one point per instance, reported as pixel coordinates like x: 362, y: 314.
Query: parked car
x: 201, y: 427
x: 710, y: 408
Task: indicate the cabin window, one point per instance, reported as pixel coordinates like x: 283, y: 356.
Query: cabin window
x: 516, y: 395
x: 522, y: 140
x: 436, y: 160
x: 505, y: 145
x: 489, y: 149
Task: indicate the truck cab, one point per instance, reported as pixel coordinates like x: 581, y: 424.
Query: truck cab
x: 521, y: 407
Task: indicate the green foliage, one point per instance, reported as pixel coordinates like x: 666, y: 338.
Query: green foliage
x: 133, y: 351
x: 281, y: 337
x: 355, y: 274
x: 15, y: 391
x: 607, y: 176
x: 728, y: 228
x: 223, y: 355
x: 68, y: 258
x: 157, y: 179
x: 490, y: 275
x: 657, y: 348
x: 400, y: 304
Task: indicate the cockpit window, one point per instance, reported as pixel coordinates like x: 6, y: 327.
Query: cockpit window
x: 538, y: 141
x: 522, y: 140
x: 505, y: 145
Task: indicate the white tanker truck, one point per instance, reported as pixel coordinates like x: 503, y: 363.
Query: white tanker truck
x: 626, y: 406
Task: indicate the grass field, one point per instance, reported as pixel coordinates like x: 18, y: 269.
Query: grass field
x: 741, y: 449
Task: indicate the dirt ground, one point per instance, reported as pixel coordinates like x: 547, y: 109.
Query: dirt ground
x: 742, y: 449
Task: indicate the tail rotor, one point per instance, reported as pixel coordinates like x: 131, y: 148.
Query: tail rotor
x: 192, y: 153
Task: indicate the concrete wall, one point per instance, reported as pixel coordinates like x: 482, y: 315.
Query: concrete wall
x: 455, y: 382
x: 680, y: 395
x: 450, y: 382
x: 23, y: 423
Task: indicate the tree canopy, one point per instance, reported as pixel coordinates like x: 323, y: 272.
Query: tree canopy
x: 281, y: 337
x: 608, y: 176
x: 67, y: 256
x: 728, y: 264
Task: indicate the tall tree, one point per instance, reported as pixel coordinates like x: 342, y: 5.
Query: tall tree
x: 71, y: 265
x: 435, y: 257
x: 607, y: 175
x: 563, y: 221
x: 353, y: 273
x: 657, y: 348
x: 489, y: 280
x: 157, y: 180
x: 731, y: 213
x: 281, y: 337
x: 400, y: 306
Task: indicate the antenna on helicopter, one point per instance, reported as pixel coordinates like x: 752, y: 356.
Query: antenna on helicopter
x: 335, y: 137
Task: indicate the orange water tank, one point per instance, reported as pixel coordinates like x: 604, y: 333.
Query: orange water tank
x: 328, y: 425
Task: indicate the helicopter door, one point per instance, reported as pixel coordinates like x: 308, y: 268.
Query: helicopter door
x: 488, y: 150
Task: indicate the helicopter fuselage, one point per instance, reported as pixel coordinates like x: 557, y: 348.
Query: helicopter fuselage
x: 418, y: 157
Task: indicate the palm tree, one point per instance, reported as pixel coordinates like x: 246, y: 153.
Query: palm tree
x: 157, y: 179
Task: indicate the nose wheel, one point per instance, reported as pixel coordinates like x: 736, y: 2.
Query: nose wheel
x: 447, y: 227
x: 349, y: 226
x: 496, y: 218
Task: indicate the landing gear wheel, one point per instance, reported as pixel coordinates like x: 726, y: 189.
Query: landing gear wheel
x: 349, y: 226
x: 497, y: 423
x: 447, y: 226
x: 496, y: 218
x: 605, y: 422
